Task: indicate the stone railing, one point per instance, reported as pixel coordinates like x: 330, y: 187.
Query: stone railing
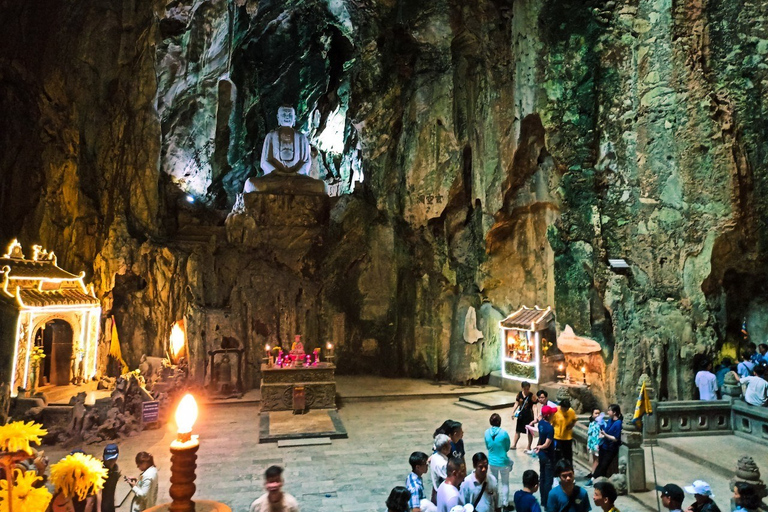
x: 688, y: 418
x: 749, y: 421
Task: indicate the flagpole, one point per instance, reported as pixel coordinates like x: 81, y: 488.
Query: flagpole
x: 655, y: 481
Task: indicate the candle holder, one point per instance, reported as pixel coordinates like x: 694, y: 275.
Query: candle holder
x: 561, y: 372
x: 183, y: 465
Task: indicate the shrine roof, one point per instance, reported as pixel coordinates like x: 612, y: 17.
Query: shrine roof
x: 32, y: 269
x: 525, y: 318
x: 62, y: 297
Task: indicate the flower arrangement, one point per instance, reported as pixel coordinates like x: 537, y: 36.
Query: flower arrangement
x: 25, y: 496
x: 16, y: 436
x: 17, y: 492
x: 78, y: 474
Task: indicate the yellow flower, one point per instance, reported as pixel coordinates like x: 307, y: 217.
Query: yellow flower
x: 16, y: 436
x: 78, y: 474
x: 25, y: 496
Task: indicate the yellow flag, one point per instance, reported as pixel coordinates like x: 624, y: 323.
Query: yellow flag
x: 642, y: 407
x: 114, y: 348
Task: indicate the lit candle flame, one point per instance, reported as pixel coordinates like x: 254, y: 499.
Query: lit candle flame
x: 267, y: 347
x: 560, y: 367
x: 186, y: 414
x: 329, y: 345
x: 583, y: 369
x: 177, y: 339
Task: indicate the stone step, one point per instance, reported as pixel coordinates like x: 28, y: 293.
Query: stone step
x: 311, y: 441
x: 495, y: 400
x: 469, y: 405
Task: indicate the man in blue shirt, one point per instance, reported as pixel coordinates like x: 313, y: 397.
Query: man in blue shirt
x: 545, y: 449
x: 415, y: 485
x: 761, y: 357
x: 567, y: 497
x: 525, y: 501
x: 746, y: 366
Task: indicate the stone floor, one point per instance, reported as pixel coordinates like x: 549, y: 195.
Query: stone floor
x: 356, y: 474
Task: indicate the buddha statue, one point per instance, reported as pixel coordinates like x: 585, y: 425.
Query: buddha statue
x: 285, y: 160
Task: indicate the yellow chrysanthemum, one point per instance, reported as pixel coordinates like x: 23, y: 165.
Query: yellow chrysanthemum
x: 25, y: 497
x: 78, y: 474
x: 18, y: 435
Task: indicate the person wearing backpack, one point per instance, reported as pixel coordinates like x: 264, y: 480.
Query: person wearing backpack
x: 567, y: 497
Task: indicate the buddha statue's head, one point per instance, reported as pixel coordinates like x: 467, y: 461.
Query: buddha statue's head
x: 286, y: 116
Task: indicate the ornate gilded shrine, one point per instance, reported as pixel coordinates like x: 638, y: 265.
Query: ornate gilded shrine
x: 49, y: 321
x: 527, y: 334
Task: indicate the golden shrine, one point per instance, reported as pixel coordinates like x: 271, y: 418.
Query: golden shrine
x: 49, y: 322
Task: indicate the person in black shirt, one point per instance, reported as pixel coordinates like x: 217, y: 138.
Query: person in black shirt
x: 111, y: 453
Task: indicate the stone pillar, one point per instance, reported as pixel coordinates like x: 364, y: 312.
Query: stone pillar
x: 632, y: 451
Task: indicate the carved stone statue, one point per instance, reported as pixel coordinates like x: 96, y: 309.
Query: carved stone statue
x: 285, y: 160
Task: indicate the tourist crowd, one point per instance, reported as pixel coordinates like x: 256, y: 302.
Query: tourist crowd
x: 751, y: 373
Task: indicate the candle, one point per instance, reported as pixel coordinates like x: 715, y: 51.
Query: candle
x: 270, y: 360
x: 183, y: 456
x: 584, y: 373
x: 329, y: 348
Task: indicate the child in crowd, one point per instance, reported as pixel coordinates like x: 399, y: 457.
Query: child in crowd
x: 593, y: 437
x: 525, y: 499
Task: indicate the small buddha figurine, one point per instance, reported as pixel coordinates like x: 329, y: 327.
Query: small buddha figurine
x: 297, y: 350
x: 286, y: 160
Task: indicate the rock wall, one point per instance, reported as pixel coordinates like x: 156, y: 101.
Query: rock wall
x: 484, y: 154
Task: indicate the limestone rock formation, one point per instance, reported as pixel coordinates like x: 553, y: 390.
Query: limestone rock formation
x: 482, y: 155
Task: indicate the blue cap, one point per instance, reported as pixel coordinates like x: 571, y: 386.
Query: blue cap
x: 111, y: 451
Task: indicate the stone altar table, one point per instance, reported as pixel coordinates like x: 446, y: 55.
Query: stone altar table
x: 277, y: 385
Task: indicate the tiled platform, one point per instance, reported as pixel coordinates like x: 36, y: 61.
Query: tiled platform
x: 281, y: 425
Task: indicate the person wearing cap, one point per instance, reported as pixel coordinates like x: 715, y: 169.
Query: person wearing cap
x: 107, y: 498
x: 702, y: 493
x: 546, y: 452
x: 672, y: 497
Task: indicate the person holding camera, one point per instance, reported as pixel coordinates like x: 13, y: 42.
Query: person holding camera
x: 145, y: 486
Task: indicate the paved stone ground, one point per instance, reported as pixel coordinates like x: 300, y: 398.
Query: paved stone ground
x: 354, y: 474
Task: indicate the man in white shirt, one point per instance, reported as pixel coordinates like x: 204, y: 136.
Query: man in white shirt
x: 706, y: 381
x: 479, y: 488
x: 448, y: 495
x: 757, y: 388
x: 274, y: 500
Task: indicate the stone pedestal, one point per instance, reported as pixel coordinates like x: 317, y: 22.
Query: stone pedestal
x: 319, y: 383
x: 287, y: 226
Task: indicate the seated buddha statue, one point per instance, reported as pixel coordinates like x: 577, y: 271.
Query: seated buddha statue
x: 285, y: 160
